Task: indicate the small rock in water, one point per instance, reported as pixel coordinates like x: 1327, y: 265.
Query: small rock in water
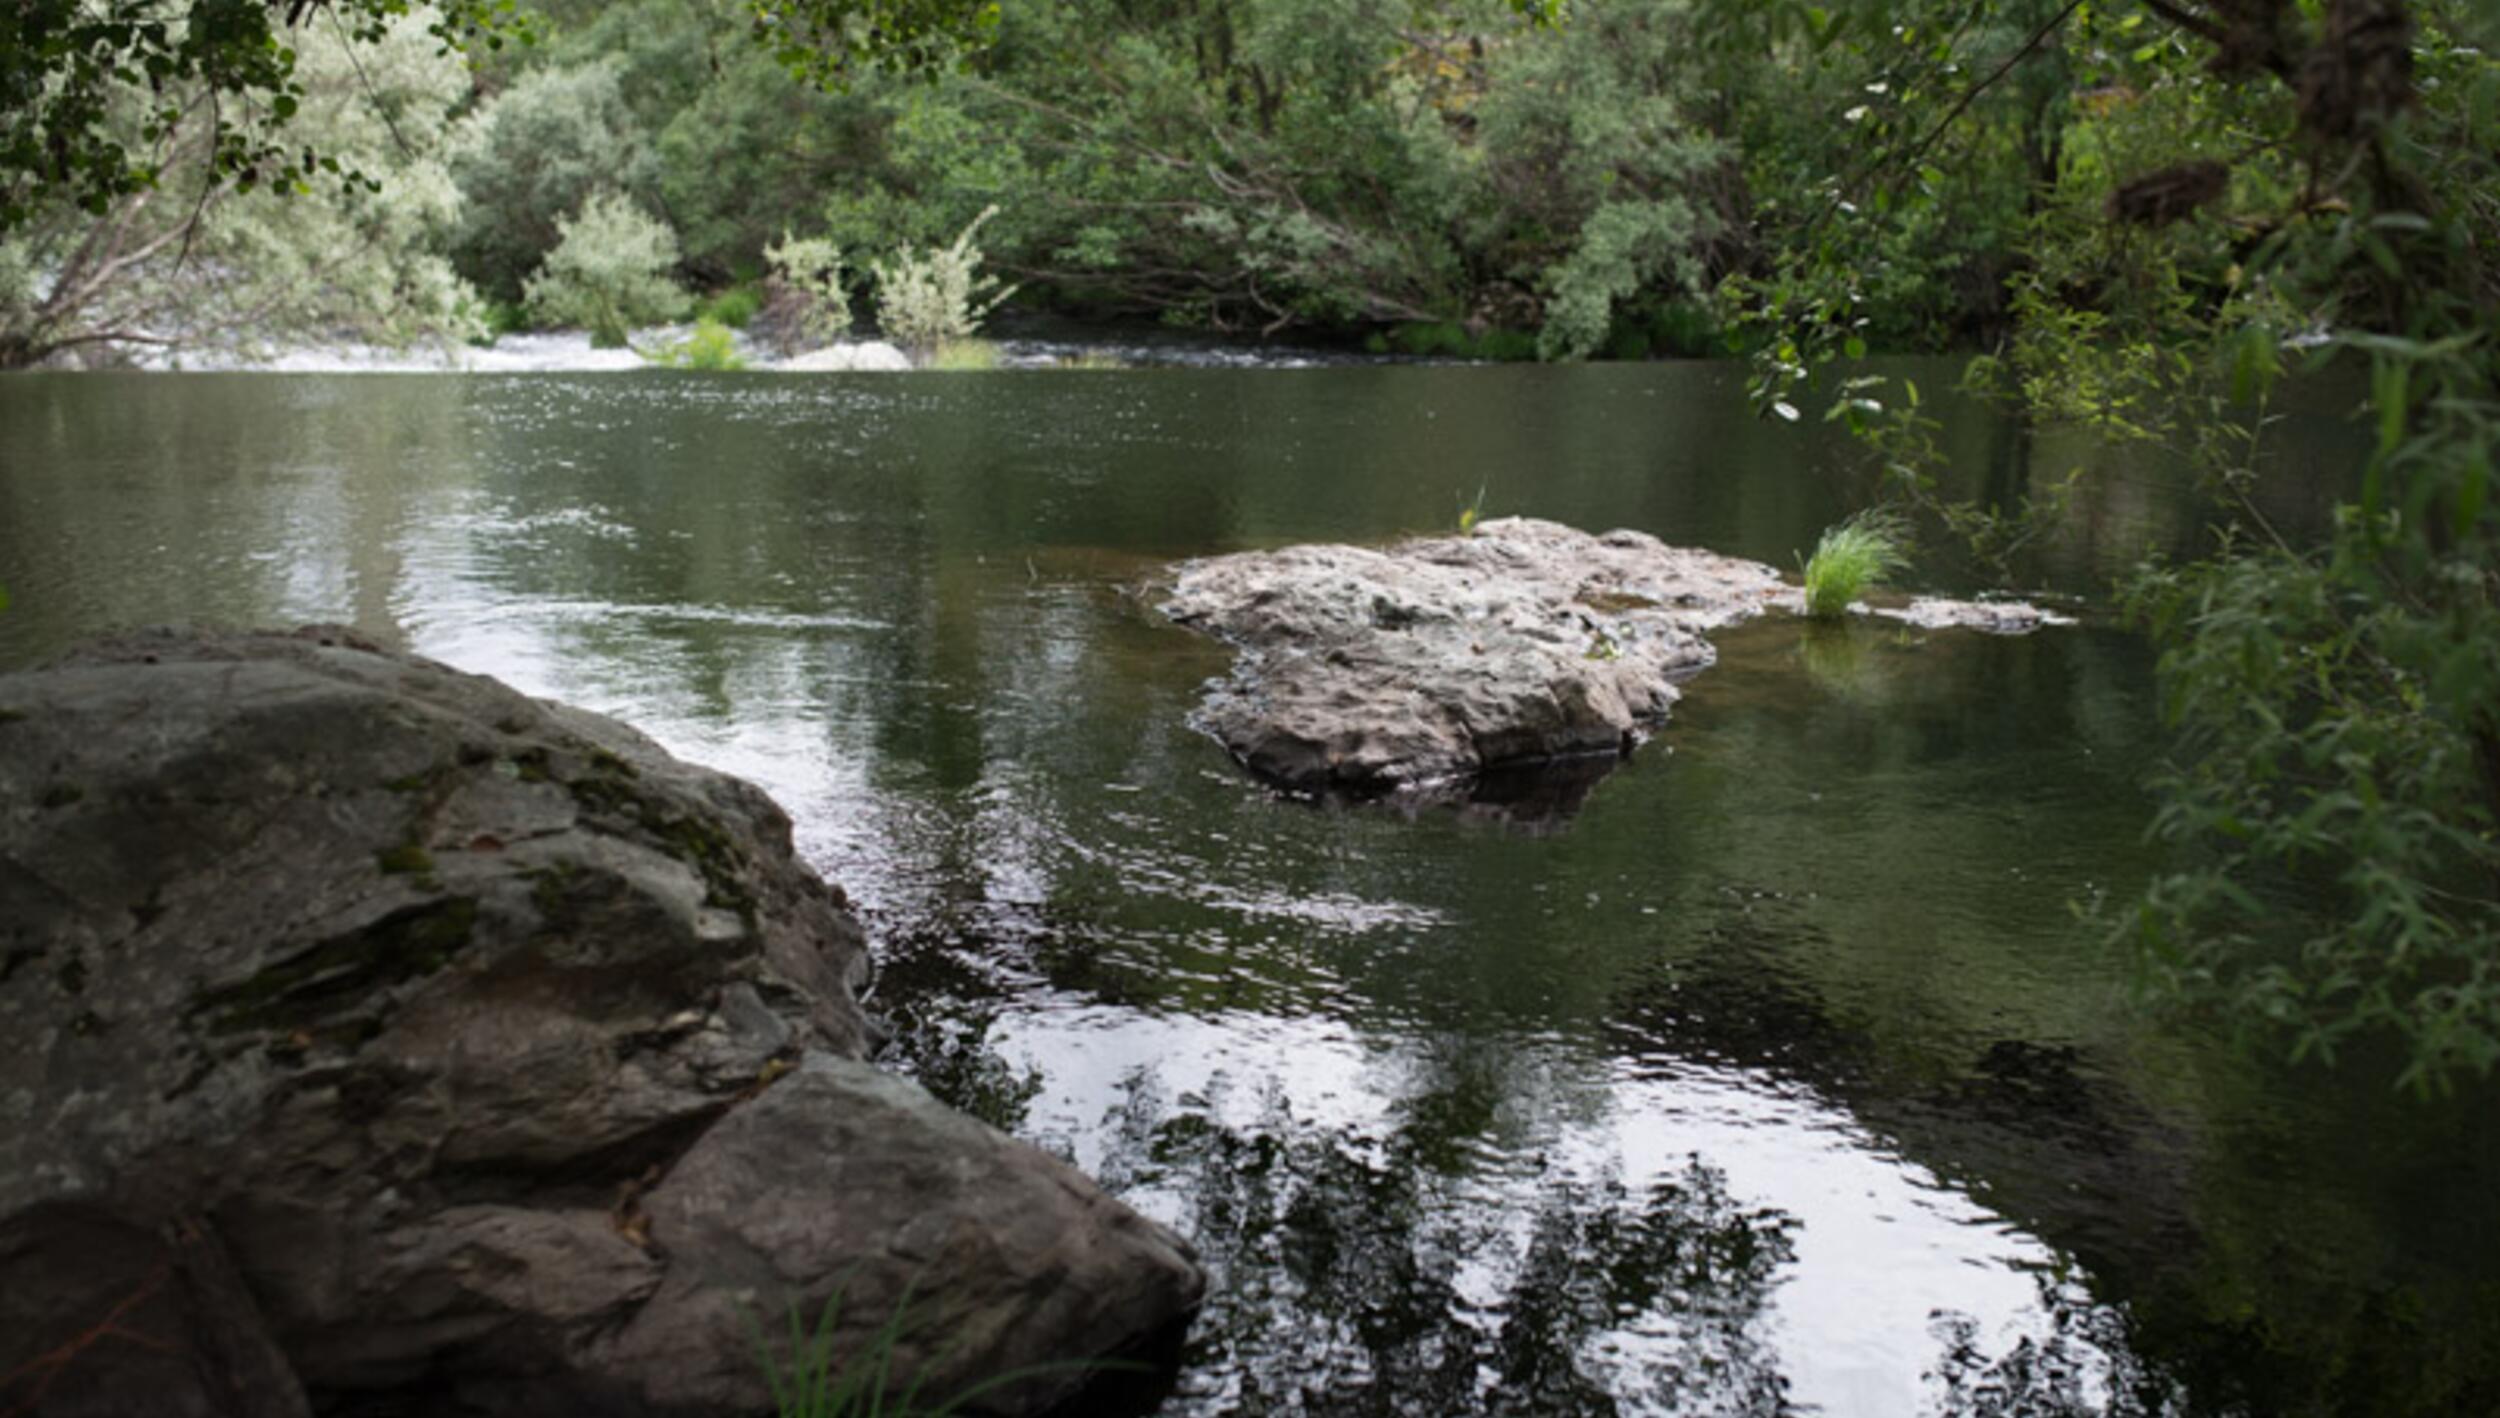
x: 1993, y: 617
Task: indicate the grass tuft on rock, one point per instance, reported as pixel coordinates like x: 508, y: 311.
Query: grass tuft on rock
x: 1855, y: 554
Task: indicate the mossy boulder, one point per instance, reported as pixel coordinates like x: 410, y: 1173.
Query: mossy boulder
x: 379, y: 1035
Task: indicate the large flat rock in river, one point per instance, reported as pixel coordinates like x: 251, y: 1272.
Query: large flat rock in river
x: 1436, y: 659
x: 1366, y: 668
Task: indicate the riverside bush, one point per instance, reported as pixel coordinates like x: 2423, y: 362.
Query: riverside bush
x: 530, y: 156
x: 808, y: 305
x: 711, y: 345
x: 733, y: 307
x: 927, y: 297
x: 608, y: 273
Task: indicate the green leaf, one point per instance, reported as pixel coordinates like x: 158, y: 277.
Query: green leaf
x: 2468, y: 511
x: 2391, y: 381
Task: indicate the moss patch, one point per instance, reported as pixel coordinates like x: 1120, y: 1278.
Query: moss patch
x: 692, y: 838
x: 1616, y: 602
x: 405, y: 859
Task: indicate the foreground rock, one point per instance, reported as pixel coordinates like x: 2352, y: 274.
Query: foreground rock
x: 1437, y: 659
x: 379, y: 1037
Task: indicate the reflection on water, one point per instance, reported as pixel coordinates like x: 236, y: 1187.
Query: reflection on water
x: 1774, y: 1072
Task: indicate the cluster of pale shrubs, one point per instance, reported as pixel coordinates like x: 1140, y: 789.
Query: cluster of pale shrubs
x: 609, y: 272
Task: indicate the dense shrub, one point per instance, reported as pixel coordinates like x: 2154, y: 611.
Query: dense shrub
x: 531, y: 156
x: 609, y: 272
x: 927, y: 296
x: 806, y: 305
x: 710, y: 345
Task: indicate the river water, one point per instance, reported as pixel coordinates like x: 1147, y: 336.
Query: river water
x: 1787, y: 1070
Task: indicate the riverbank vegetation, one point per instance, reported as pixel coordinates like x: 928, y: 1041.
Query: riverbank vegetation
x: 2142, y: 217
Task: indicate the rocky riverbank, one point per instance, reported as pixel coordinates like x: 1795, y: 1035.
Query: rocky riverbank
x: 381, y: 1036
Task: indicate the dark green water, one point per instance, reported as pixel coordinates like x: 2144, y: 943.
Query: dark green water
x: 1781, y: 1076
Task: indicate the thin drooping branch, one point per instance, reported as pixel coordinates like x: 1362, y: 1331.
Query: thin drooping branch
x: 1953, y: 115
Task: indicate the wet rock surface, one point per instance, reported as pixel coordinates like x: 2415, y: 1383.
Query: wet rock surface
x: 380, y: 1036
x: 1436, y: 660
x: 872, y: 355
x: 1992, y: 617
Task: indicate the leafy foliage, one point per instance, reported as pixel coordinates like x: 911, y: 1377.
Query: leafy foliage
x: 196, y: 263
x: 608, y: 272
x: 1310, y: 162
x: 69, y: 60
x: 2228, y: 185
x: 65, y: 128
x: 529, y: 157
x: 710, y: 345
x: 928, y: 297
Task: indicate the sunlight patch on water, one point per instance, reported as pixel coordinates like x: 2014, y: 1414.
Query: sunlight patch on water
x: 1782, y: 1257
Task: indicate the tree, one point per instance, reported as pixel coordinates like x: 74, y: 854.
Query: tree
x: 1311, y: 162
x: 2246, y: 181
x: 609, y: 272
x: 64, y: 65
x: 926, y: 298
x: 192, y: 262
x: 529, y: 157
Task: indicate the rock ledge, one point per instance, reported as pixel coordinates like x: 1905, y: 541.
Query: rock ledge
x: 378, y: 1034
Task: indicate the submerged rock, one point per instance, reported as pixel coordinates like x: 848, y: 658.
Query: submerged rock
x: 1437, y: 659
x: 1992, y: 617
x: 374, y: 1029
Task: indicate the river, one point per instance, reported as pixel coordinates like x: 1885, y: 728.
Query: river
x: 1788, y: 1070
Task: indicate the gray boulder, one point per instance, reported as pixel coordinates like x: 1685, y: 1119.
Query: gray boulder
x: 867, y: 356
x: 376, y: 1030
x: 1433, y: 661
x: 1437, y: 658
